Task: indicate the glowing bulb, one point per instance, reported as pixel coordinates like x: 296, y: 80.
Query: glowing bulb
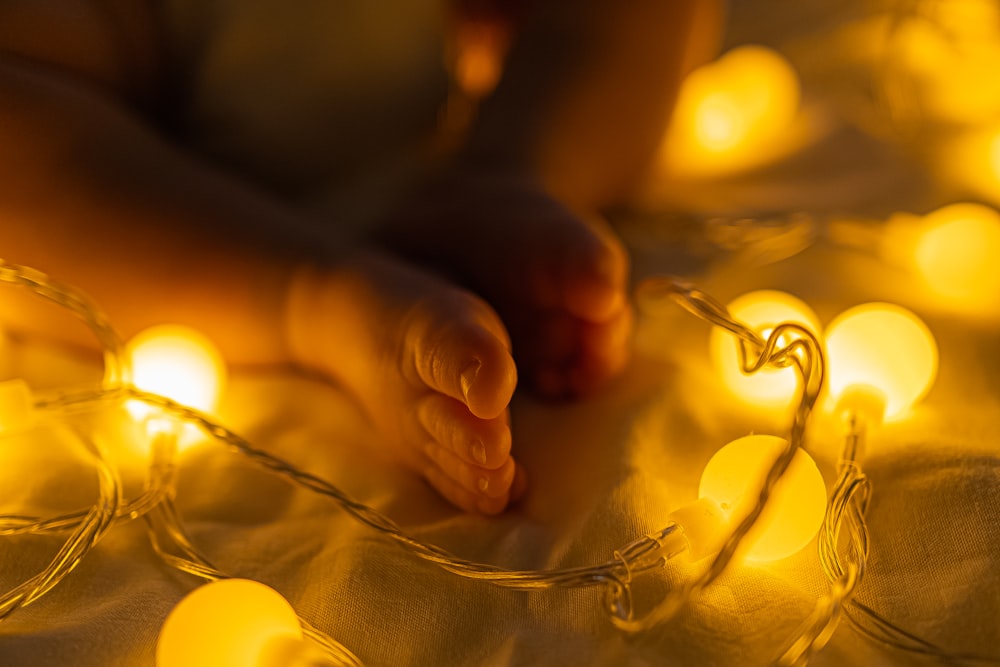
x: 719, y: 124
x: 732, y: 113
x: 729, y: 488
x: 761, y: 310
x: 232, y: 623
x: 179, y: 363
x: 958, y: 253
x: 972, y: 160
x: 882, y: 347
x: 945, y: 61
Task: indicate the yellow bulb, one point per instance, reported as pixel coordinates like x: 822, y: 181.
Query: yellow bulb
x: 761, y: 310
x: 731, y: 114
x: 229, y: 623
x: 719, y: 123
x: 732, y: 481
x: 972, y: 160
x: 884, y: 347
x: 958, y: 253
x: 179, y: 363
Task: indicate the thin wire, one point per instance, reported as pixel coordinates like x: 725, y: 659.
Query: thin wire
x: 88, y: 532
x: 117, y: 370
x: 787, y: 345
x: 165, y: 519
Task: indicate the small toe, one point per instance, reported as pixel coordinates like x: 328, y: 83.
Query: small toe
x: 482, y: 482
x: 482, y: 442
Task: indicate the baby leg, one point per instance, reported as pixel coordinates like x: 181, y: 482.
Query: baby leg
x: 557, y: 279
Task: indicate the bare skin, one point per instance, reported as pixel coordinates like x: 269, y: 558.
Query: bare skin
x: 584, y: 98
x: 92, y: 193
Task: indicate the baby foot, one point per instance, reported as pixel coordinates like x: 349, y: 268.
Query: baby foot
x: 557, y: 279
x: 430, y: 363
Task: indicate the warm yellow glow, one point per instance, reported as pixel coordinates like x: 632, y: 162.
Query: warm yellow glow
x: 947, y: 61
x: 480, y: 46
x: 733, y: 478
x: 731, y: 114
x: 179, y: 363
x: 229, y: 623
x: 16, y: 406
x: 958, y: 254
x: 883, y: 346
x: 719, y: 124
x: 994, y: 159
x: 761, y: 311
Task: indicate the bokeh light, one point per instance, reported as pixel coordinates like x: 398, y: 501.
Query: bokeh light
x: 958, y: 253
x: 229, y: 623
x: 884, y: 347
x: 732, y: 480
x: 179, y: 363
x: 761, y: 310
x: 731, y: 114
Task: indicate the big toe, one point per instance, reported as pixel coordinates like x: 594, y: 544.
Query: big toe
x: 462, y: 351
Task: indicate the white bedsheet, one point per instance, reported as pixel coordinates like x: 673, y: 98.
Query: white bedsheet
x: 603, y: 472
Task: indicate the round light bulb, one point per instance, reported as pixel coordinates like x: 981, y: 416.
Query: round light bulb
x: 958, y: 253
x: 730, y: 113
x: 179, y: 363
x: 229, y: 623
x: 883, y: 347
x: 794, y: 512
x: 762, y: 310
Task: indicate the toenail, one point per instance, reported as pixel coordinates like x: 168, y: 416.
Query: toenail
x: 484, y: 484
x: 479, y: 452
x: 468, y: 376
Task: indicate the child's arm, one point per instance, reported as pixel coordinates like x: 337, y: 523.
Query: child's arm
x: 587, y: 91
x: 92, y: 195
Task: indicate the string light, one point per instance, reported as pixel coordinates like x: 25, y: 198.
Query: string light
x: 883, y: 359
x: 732, y: 480
x: 732, y: 114
x: 788, y: 344
x: 879, y: 353
x: 179, y: 363
x: 958, y: 251
x: 769, y: 386
x: 234, y: 623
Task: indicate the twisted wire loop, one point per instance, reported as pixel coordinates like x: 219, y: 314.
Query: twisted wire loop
x: 787, y: 345
x: 846, y: 511
x: 88, y: 530
x: 117, y: 370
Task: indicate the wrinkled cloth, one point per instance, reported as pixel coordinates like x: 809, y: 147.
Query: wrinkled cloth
x: 603, y: 472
